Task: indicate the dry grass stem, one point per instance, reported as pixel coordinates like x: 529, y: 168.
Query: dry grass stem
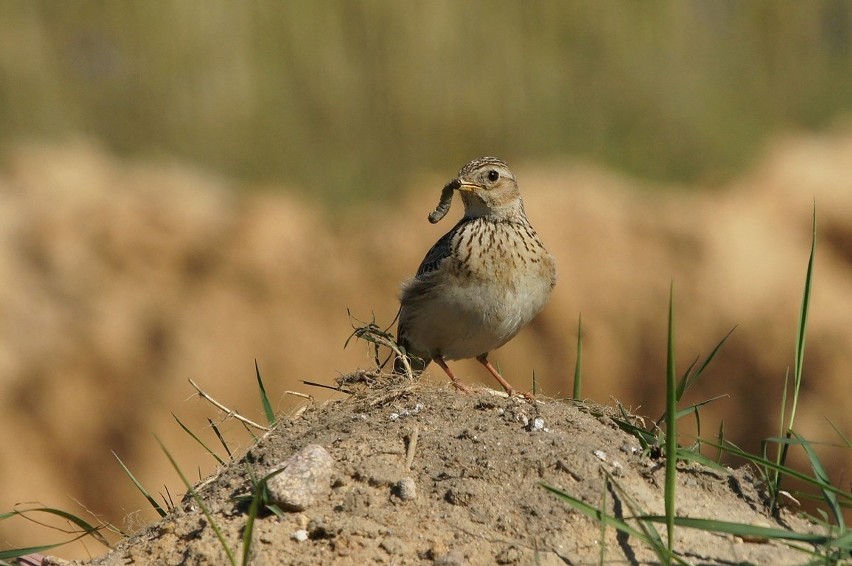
x: 228, y: 412
x: 412, y: 447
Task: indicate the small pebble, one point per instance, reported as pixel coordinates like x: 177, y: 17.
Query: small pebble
x: 406, y: 412
x: 452, y: 558
x: 406, y: 489
x: 306, y: 478
x: 600, y: 454
x: 301, y: 535
x: 393, y: 545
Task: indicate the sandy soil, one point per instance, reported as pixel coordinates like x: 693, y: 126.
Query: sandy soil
x: 477, y: 463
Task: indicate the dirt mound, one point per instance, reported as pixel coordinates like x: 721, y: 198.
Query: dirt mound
x: 477, y: 466
x: 119, y: 280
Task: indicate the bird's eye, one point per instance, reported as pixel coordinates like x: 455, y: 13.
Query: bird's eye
x: 493, y: 175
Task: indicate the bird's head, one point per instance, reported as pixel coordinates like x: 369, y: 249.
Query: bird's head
x: 488, y: 189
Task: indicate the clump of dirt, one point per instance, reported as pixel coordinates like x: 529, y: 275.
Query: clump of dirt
x: 425, y: 475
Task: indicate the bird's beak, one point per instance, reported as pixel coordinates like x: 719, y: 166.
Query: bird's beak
x: 467, y: 186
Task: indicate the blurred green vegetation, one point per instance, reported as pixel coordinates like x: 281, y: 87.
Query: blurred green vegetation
x: 348, y: 99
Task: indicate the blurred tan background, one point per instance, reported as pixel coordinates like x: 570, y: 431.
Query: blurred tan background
x: 186, y: 187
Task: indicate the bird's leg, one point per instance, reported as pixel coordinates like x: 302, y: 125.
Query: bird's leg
x: 483, y: 359
x: 458, y: 384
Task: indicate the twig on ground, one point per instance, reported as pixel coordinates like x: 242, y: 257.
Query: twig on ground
x: 228, y: 412
x: 303, y: 408
x: 325, y: 386
x: 412, y: 446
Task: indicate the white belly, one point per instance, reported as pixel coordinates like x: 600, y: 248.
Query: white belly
x: 464, y: 318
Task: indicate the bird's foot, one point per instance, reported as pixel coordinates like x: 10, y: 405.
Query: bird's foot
x: 456, y: 383
x: 462, y: 387
x: 511, y: 391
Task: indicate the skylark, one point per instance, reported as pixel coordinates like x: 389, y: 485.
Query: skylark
x: 481, y: 282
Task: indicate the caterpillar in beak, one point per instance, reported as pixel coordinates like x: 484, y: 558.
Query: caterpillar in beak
x: 446, y: 200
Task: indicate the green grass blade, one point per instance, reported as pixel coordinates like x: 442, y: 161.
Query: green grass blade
x: 20, y: 552
x: 671, y: 429
x: 578, y: 366
x: 603, y: 524
x: 86, y: 529
x: 684, y: 379
x: 822, y: 475
x: 780, y: 450
x: 200, y: 502
x: 771, y: 465
x: 783, y: 405
x: 720, y: 438
x: 141, y: 489
x: 654, y: 539
x: 844, y: 542
x: 651, y: 534
x: 596, y: 513
x: 534, y: 384
x: 690, y: 378
x: 846, y: 442
x: 645, y: 438
x: 694, y: 408
x: 254, y: 510
x: 264, y: 398
x: 741, y: 529
x: 260, y: 499
x: 801, y: 333
x: 692, y: 456
x: 198, y: 440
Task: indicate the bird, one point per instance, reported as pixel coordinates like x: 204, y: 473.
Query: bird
x: 481, y: 282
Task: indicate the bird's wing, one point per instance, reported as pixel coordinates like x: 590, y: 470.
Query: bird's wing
x: 438, y: 253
